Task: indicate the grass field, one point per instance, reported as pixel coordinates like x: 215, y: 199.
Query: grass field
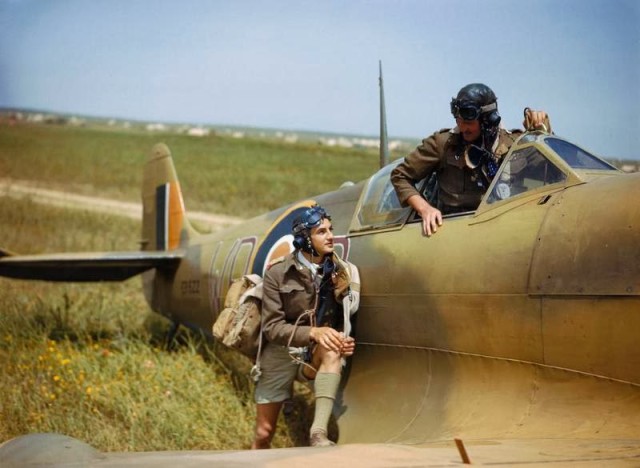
x: 87, y: 360
x: 218, y: 174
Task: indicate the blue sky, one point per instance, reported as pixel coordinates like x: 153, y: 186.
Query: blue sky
x: 313, y: 65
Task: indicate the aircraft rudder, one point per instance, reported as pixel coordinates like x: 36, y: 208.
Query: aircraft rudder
x: 164, y: 222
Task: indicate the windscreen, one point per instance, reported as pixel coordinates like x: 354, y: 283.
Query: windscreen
x: 381, y: 207
x: 527, y: 169
x: 576, y: 157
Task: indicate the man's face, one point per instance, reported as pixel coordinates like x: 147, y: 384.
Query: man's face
x: 470, y: 129
x: 322, y: 238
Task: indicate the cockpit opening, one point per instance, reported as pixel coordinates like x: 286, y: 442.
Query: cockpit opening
x: 526, y: 168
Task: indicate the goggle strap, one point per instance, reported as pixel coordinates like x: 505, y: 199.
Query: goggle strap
x: 455, y: 107
x: 489, y: 107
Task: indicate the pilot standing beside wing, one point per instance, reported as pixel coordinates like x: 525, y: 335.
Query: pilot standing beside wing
x: 464, y: 158
x: 308, y: 297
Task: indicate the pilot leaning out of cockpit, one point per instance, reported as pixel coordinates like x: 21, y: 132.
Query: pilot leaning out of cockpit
x: 464, y: 158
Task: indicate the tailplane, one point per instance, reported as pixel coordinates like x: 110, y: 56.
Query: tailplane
x: 164, y: 222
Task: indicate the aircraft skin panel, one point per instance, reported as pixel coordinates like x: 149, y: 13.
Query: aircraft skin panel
x: 493, y: 257
x: 591, y: 336
x: 186, y: 292
x: 590, y: 242
x: 469, y: 299
x: 442, y: 395
x: 498, y: 326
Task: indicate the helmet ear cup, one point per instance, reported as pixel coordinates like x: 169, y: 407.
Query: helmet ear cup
x: 492, y: 119
x: 303, y: 242
x: 299, y: 241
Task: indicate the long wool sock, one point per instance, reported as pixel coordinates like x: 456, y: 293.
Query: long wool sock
x: 326, y: 387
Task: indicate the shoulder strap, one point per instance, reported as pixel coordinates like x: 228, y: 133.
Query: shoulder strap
x: 256, y: 292
x: 256, y: 372
x: 351, y: 301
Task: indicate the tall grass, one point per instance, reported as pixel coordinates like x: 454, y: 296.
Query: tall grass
x: 87, y: 360
x: 218, y: 174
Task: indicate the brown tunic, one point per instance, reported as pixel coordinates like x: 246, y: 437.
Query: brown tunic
x: 288, y: 291
x: 458, y: 185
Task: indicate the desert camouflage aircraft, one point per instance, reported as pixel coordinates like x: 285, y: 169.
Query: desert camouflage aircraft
x: 513, y: 329
x: 514, y: 326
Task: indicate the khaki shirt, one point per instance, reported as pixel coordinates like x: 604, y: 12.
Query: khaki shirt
x: 458, y: 185
x: 288, y: 291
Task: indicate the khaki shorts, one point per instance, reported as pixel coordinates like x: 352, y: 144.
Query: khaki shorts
x: 278, y: 374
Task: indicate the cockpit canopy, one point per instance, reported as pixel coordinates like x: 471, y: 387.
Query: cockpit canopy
x: 530, y: 166
x: 525, y: 170
x: 536, y: 161
x: 379, y: 204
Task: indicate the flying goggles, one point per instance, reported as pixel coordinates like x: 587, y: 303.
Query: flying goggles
x: 311, y: 218
x: 467, y: 110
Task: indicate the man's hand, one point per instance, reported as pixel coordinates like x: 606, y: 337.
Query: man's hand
x: 327, y: 337
x: 536, y: 120
x: 348, y: 346
x: 431, y: 217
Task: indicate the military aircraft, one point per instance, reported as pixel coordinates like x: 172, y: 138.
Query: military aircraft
x: 513, y: 329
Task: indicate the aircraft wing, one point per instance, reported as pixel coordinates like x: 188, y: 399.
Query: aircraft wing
x: 86, y: 266
x: 58, y: 449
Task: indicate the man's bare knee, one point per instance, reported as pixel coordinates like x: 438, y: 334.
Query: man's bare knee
x: 329, y: 361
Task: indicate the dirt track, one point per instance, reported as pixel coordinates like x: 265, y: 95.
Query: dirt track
x: 22, y: 189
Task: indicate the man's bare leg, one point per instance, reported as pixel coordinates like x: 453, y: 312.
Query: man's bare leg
x: 266, y: 421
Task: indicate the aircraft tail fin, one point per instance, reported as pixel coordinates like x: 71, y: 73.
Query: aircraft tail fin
x: 164, y: 222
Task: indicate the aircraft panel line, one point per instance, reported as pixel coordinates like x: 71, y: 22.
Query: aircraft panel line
x: 518, y: 361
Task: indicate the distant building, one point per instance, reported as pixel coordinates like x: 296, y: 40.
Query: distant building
x: 76, y: 121
x: 156, y: 127
x: 629, y: 167
x: 198, y: 132
x: 291, y: 138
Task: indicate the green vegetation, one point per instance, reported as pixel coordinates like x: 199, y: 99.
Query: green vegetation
x: 218, y: 174
x: 87, y: 360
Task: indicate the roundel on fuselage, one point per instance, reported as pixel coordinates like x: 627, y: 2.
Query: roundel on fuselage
x: 278, y: 240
